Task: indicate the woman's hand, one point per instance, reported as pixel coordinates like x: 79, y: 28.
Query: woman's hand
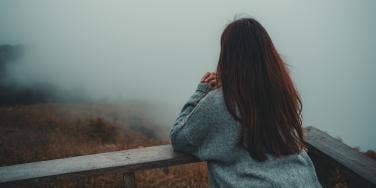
x: 212, y: 79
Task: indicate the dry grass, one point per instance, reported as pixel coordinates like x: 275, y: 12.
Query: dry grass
x: 50, y: 131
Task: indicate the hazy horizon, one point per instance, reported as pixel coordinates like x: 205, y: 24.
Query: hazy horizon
x: 157, y: 51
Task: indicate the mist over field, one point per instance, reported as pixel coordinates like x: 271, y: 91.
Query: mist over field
x: 157, y: 51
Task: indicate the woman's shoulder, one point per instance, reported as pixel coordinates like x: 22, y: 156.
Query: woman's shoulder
x: 215, y: 95
x: 213, y: 106
x: 213, y: 100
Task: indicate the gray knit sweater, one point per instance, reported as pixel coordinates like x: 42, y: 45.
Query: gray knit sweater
x: 205, y: 129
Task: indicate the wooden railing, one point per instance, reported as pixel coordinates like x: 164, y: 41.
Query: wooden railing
x: 359, y: 170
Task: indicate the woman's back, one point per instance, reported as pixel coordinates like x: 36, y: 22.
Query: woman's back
x: 206, y: 130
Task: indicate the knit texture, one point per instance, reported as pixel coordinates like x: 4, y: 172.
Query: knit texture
x: 204, y: 128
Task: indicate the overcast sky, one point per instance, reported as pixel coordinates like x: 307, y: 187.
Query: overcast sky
x: 158, y: 50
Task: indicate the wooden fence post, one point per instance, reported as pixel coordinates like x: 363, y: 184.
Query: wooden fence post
x: 129, y: 180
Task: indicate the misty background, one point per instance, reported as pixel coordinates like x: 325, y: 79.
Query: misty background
x: 157, y: 51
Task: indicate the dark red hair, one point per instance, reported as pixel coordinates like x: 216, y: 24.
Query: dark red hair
x: 259, y: 92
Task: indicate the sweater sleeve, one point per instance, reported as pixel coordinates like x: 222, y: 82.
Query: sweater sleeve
x: 189, y: 127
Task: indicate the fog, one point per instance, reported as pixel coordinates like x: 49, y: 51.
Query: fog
x: 157, y: 51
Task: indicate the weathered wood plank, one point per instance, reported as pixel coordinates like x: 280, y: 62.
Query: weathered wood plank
x: 116, y: 162
x: 360, y: 169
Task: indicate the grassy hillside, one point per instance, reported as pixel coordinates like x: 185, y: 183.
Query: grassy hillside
x: 49, y: 131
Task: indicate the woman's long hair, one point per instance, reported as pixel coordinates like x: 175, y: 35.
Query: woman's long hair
x: 259, y: 92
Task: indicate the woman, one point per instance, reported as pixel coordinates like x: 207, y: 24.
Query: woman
x: 245, y: 119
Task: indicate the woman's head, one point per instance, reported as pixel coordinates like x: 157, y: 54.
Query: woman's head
x: 258, y: 91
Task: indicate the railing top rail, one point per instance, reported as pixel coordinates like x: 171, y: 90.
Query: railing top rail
x: 343, y: 155
x: 118, y: 161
